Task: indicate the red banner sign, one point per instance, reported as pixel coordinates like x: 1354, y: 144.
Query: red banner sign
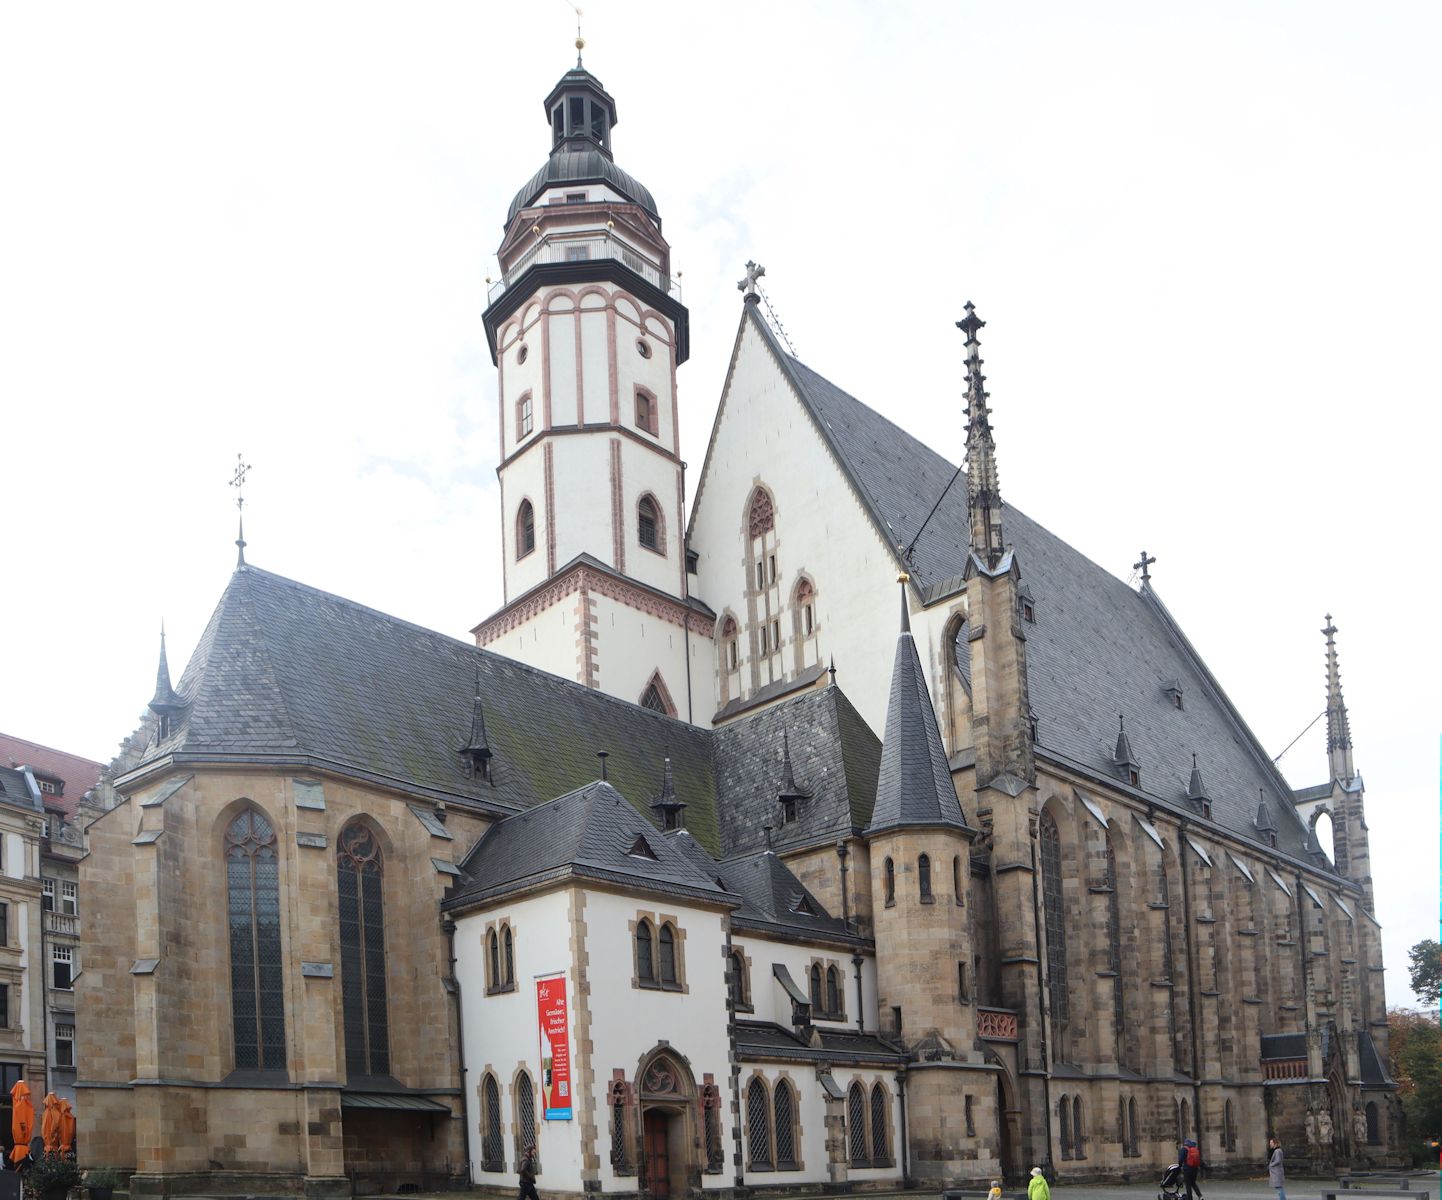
x: 555, y: 1048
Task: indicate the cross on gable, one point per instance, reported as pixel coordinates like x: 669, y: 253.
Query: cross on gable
x: 237, y: 481
x: 753, y: 273
x: 1143, y: 565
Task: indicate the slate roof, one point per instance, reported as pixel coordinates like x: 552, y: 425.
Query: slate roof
x: 591, y: 833
x: 762, y: 1039
x: 1097, y: 648
x: 914, y: 786
x: 78, y: 775
x: 290, y: 674
x: 769, y: 895
x: 1374, y: 1066
x: 835, y: 758
x: 14, y: 789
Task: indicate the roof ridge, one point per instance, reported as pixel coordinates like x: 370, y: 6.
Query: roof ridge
x: 52, y: 750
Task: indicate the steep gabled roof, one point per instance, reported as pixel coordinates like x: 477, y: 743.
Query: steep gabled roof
x: 1096, y: 649
x: 592, y: 833
x: 773, y: 898
x: 78, y: 774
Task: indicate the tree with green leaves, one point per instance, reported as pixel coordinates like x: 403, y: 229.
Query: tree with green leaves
x: 1425, y: 967
x: 1415, y: 1051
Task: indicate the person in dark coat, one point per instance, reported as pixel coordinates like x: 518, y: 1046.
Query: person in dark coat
x: 1276, y: 1172
x: 528, y: 1176
x: 1191, y: 1160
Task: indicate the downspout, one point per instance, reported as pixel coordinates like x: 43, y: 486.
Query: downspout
x: 1041, y: 1014
x: 860, y: 996
x: 905, y: 1135
x: 448, y: 927
x: 845, y: 897
x: 1191, y: 980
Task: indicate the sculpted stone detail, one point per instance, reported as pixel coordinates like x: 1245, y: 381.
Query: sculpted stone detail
x: 996, y: 1025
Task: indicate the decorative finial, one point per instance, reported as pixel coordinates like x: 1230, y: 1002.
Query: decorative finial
x: 237, y: 481
x: 478, y: 747
x: 983, y: 489
x: 580, y: 41
x: 1143, y: 567
x: 902, y: 579
x: 831, y: 670
x: 747, y: 286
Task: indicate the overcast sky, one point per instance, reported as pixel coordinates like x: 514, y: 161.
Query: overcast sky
x: 1204, y: 238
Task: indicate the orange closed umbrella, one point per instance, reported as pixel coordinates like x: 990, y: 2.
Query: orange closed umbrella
x: 22, y: 1120
x: 67, y: 1127
x: 50, y: 1123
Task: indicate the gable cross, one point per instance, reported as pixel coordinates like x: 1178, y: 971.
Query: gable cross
x: 753, y: 273
x: 237, y: 481
x: 1143, y: 565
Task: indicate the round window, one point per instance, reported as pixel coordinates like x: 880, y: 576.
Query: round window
x: 642, y: 348
x: 522, y: 353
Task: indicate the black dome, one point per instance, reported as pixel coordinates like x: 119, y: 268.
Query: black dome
x: 571, y: 163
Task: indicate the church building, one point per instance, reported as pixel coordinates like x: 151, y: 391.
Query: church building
x: 833, y: 827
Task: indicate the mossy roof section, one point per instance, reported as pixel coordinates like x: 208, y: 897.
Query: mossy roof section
x: 288, y: 672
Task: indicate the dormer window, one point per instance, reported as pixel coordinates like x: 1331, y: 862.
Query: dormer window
x: 1134, y: 778
x: 1173, y: 691
x: 641, y: 848
x: 788, y: 810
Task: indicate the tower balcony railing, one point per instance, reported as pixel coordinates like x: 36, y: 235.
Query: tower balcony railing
x: 581, y: 248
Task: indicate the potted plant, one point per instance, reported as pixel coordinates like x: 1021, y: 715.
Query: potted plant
x: 52, y: 1177
x: 100, y: 1182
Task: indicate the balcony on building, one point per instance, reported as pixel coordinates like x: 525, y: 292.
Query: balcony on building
x: 571, y: 244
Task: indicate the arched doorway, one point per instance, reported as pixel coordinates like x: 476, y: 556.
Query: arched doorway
x: 1008, y: 1130
x: 666, y: 1092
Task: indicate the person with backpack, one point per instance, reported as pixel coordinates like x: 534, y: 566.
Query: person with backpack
x: 1276, y: 1172
x: 1191, y: 1160
x: 528, y: 1176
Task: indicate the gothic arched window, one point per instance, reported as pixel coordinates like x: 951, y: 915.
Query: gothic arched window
x: 889, y: 870
x: 1055, y: 920
x: 648, y: 525
x: 525, y: 1098
x: 956, y: 878
x: 493, y: 1138
x: 257, y: 992
x: 1063, y: 1110
x: 923, y: 878
x: 666, y: 941
x: 1078, y: 1139
x: 758, y: 1125
x: 856, y: 1125
x: 730, y: 653
x: 493, y: 947
x: 736, y: 978
x: 525, y: 529
x: 508, y: 945
x: 1374, y: 1128
x: 833, y: 991
x: 816, y: 988
x: 362, y: 952
x: 645, y: 961
x: 785, y: 1106
x: 1114, y: 944
x: 880, y: 1126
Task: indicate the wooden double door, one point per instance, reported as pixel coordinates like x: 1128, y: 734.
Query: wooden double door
x: 659, y: 1130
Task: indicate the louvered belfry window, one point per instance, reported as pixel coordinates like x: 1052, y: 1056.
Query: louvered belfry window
x: 856, y: 1125
x: 362, y: 952
x: 1055, y: 918
x: 758, y: 1125
x: 785, y: 1106
x: 257, y: 995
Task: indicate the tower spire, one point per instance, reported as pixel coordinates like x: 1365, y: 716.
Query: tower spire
x: 1339, y: 730
x: 237, y: 481
x: 478, y: 747
x: 983, y: 488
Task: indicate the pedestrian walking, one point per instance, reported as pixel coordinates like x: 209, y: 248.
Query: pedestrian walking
x: 1276, y: 1172
x: 1037, y: 1189
x: 528, y: 1176
x: 995, y: 1193
x: 1191, y: 1160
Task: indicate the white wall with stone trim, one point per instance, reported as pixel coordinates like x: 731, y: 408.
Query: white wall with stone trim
x: 768, y: 999
x: 547, y: 640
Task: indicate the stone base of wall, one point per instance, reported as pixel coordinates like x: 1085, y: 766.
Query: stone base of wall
x: 239, y: 1183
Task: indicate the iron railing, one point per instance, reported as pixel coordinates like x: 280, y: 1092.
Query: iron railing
x: 586, y: 248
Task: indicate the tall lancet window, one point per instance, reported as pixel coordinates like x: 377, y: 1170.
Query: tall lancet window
x: 257, y: 993
x: 362, y: 952
x: 1114, y: 944
x: 1055, y: 915
x: 762, y: 570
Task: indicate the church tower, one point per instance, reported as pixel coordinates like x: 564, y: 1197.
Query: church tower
x: 586, y: 329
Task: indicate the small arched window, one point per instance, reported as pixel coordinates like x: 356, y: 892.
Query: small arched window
x: 758, y: 1125
x: 651, y: 698
x: 1229, y: 1131
x: 785, y: 1105
x: 856, y: 1126
x: 648, y: 524
x: 816, y: 1005
x: 1374, y: 1126
x: 923, y: 878
x: 1063, y: 1110
x: 647, y: 416
x: 493, y: 1137
x: 525, y: 1097
x: 1132, y: 1127
x: 805, y: 608
x: 645, y: 960
x: 666, y: 940
x: 956, y: 878
x: 525, y: 529
x: 509, y: 945
x: 736, y: 979
x: 730, y: 652
x: 889, y: 871
x: 525, y: 416
x: 833, y: 991
x: 494, y: 954
x: 1078, y: 1138
x: 880, y: 1126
